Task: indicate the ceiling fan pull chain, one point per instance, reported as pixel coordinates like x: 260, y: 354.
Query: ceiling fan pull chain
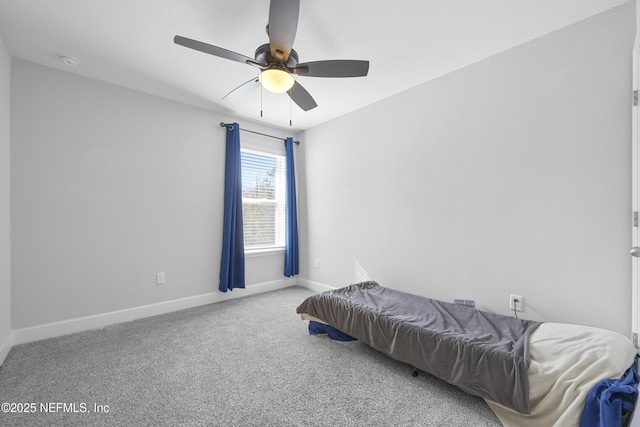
x: 261, y: 101
x: 290, y: 123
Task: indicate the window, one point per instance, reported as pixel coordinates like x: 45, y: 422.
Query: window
x: 263, y: 199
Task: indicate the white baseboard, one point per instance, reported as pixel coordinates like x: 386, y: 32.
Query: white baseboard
x: 314, y: 286
x: 55, y: 329
x: 5, y: 347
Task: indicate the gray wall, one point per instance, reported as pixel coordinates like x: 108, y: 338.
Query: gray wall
x: 109, y: 187
x: 5, y: 230
x: 511, y: 175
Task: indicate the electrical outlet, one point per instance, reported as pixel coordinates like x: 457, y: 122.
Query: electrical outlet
x: 159, y: 278
x: 516, y: 302
x: 466, y: 302
x: 316, y: 263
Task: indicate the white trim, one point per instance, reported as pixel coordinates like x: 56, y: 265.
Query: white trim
x: 314, y: 286
x: 635, y: 186
x: 6, y: 347
x: 55, y: 329
x: 261, y: 146
x: 250, y: 253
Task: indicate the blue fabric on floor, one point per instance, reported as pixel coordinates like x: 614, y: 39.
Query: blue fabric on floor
x: 610, y: 399
x: 317, y: 328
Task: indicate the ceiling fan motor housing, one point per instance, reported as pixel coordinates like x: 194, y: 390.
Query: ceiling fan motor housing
x: 263, y: 56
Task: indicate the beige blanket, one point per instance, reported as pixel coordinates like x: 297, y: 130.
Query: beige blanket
x: 566, y: 362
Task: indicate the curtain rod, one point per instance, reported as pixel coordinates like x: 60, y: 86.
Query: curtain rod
x: 223, y: 124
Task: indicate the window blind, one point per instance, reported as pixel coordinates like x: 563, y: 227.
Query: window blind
x: 263, y: 199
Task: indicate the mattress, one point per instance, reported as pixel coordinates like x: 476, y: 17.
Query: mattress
x: 562, y: 362
x: 482, y: 353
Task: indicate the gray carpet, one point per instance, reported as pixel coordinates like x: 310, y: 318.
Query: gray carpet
x: 243, y: 362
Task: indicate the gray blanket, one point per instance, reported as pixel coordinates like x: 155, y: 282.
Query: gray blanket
x: 482, y: 353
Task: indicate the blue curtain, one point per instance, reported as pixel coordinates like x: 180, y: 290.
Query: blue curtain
x: 232, y: 264
x: 291, y: 267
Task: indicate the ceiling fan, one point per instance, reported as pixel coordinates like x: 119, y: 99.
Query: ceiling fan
x: 278, y: 61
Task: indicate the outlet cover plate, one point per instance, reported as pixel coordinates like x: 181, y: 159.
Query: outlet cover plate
x: 516, y: 302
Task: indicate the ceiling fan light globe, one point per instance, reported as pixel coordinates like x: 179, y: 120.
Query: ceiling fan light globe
x: 276, y: 80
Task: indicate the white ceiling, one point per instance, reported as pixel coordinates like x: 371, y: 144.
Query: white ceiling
x: 408, y: 42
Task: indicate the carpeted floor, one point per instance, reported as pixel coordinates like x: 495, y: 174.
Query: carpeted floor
x: 243, y: 362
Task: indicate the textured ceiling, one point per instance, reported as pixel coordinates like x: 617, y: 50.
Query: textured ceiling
x: 408, y: 42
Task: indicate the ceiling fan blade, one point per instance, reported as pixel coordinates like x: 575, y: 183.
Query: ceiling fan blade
x: 215, y: 50
x: 282, y: 27
x: 242, y: 90
x: 333, y: 68
x: 300, y: 96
